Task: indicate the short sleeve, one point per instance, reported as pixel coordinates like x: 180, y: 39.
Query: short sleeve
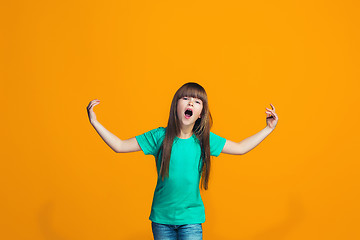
x: 217, y: 144
x: 150, y: 141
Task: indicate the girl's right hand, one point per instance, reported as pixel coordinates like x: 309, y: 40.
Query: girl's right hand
x: 90, y: 111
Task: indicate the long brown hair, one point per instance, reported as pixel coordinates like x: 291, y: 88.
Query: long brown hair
x: 201, y: 130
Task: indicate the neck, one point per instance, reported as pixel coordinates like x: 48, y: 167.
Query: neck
x: 186, y: 131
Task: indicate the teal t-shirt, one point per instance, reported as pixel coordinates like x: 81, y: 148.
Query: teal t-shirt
x: 177, y: 199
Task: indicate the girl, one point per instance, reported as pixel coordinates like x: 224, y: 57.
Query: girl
x: 182, y: 152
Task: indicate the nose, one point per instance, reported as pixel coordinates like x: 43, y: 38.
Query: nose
x: 191, y: 101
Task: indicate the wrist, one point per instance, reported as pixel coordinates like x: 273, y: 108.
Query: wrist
x: 93, y: 122
x: 268, y: 129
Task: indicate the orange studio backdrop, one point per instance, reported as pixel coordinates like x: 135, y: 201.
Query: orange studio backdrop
x: 60, y: 180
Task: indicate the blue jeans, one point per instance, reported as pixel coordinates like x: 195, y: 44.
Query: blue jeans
x: 177, y: 232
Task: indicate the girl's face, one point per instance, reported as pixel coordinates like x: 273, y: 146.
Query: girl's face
x: 189, y: 110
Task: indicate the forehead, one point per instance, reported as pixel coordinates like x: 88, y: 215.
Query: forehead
x: 191, y: 93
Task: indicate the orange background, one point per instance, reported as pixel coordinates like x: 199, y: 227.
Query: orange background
x: 59, y: 180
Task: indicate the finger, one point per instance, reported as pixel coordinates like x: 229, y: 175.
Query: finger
x: 272, y: 106
x: 93, y: 104
x: 90, y: 104
x: 272, y: 111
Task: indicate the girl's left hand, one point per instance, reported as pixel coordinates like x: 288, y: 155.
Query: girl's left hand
x: 271, y: 117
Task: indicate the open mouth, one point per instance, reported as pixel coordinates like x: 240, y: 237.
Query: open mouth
x: 188, y: 113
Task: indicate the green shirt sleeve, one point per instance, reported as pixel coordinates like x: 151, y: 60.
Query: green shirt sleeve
x: 217, y: 144
x: 150, y: 141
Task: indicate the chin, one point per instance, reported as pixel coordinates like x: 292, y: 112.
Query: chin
x: 187, y: 123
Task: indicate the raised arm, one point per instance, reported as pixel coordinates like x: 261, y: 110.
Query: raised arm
x: 251, y: 142
x: 247, y: 144
x: 115, y: 143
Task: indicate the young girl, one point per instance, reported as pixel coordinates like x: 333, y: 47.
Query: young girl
x: 182, y: 152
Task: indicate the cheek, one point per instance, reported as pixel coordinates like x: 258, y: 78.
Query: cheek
x: 180, y: 104
x: 200, y: 110
x: 179, y: 111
